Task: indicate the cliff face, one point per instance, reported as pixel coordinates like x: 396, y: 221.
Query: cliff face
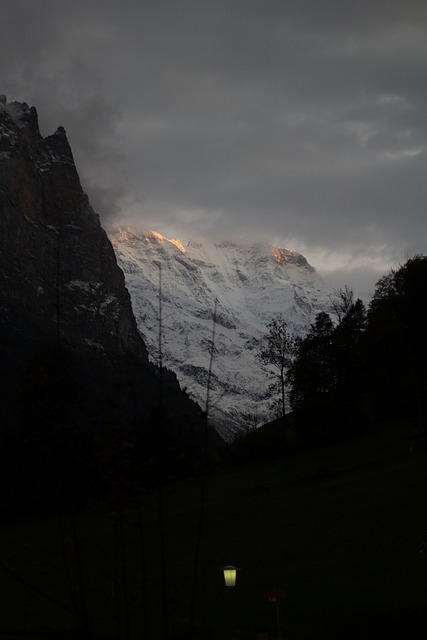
x: 62, y: 290
x: 58, y: 268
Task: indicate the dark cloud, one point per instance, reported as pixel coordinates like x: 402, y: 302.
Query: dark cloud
x: 298, y: 120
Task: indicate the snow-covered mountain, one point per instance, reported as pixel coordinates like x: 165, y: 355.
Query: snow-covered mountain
x: 250, y: 284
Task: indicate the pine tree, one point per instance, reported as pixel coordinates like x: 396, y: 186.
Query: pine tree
x: 397, y: 342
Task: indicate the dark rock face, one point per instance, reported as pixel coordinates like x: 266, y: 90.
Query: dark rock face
x: 61, y: 290
x: 53, y: 249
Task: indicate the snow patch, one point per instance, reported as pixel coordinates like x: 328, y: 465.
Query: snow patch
x: 251, y: 284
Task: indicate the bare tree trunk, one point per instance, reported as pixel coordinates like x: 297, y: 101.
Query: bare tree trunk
x: 80, y: 583
x: 282, y: 385
x: 202, y: 484
x: 143, y: 573
x: 160, y: 339
x: 123, y: 572
x: 68, y: 571
x: 160, y: 502
x: 160, y: 497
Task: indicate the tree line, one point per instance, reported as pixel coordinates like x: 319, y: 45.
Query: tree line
x: 361, y: 365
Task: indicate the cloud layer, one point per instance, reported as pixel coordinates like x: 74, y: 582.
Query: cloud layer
x: 302, y: 122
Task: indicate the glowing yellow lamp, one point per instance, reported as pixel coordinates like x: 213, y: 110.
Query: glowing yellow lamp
x: 230, y: 573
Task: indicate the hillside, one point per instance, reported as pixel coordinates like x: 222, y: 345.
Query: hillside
x: 75, y: 371
x: 62, y: 290
x: 249, y: 283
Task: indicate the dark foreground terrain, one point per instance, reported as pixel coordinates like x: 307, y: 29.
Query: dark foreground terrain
x: 336, y: 529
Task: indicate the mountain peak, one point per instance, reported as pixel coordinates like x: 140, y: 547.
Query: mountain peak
x: 131, y: 235
x: 62, y: 291
x: 249, y: 283
x: 178, y: 244
x: 21, y: 116
x: 290, y: 257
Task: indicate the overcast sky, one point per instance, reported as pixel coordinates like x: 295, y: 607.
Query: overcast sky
x: 300, y: 122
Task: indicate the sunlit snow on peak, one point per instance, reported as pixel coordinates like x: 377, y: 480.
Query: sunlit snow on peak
x: 127, y: 234
x: 178, y: 244
x: 123, y: 234
x: 280, y: 254
x: 248, y: 284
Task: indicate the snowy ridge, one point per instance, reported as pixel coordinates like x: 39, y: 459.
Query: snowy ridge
x: 251, y: 284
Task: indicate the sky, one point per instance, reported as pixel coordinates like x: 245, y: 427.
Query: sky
x: 297, y: 122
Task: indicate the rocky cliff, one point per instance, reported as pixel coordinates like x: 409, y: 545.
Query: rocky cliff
x: 57, y: 263
x: 61, y: 291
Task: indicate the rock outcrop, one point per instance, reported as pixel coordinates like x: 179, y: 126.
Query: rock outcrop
x: 61, y: 289
x: 57, y: 264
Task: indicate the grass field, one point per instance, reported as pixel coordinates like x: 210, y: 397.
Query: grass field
x: 336, y: 529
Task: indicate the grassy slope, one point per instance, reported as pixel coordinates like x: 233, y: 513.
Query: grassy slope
x: 337, y: 529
